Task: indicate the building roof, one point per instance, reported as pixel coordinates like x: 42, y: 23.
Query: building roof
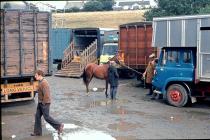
x: 130, y: 3
x: 71, y: 4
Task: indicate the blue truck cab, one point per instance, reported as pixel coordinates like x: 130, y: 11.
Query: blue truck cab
x: 182, y: 74
x: 176, y: 65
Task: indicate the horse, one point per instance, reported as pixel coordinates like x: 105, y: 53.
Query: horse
x: 98, y: 71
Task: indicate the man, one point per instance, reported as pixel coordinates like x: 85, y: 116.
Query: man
x: 43, y: 107
x: 149, y: 73
x: 113, y: 79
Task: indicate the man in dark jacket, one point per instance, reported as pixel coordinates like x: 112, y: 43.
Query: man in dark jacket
x: 113, y: 79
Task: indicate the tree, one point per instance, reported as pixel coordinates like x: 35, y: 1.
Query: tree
x: 7, y: 5
x: 177, y: 7
x: 107, y: 4
x: 99, y: 5
x: 205, y: 10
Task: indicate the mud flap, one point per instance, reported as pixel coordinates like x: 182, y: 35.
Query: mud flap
x: 193, y: 99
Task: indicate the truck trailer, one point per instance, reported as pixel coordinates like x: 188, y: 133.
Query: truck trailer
x: 24, y: 49
x: 135, y: 41
x: 183, y: 70
x: 60, y: 39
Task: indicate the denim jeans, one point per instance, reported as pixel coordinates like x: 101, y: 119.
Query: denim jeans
x: 113, y: 92
x: 44, y: 110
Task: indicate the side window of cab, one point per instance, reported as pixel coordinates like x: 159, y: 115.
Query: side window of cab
x: 187, y: 58
x: 172, y: 57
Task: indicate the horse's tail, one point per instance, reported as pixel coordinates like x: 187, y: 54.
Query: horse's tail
x: 84, y: 77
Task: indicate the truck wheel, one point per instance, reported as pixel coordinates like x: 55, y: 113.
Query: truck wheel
x: 131, y: 74
x: 177, y: 95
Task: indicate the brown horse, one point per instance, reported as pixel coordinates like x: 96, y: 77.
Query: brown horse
x: 98, y: 71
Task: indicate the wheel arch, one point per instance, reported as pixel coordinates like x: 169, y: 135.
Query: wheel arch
x: 186, y: 85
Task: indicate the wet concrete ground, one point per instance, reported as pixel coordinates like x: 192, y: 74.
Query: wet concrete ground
x: 132, y: 116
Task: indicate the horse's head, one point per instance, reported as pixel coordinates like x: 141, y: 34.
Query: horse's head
x: 115, y: 58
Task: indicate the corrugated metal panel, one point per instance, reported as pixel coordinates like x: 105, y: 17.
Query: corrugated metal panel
x: 184, y: 31
x: 60, y: 39
x: 190, y: 33
x: 135, y: 41
x: 203, y: 57
x: 176, y: 31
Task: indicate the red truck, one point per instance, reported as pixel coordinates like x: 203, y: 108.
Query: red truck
x: 135, y: 41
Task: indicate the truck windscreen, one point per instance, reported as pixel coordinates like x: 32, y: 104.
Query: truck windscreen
x: 109, y: 50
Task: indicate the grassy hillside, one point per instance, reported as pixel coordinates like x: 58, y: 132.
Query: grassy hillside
x: 108, y: 19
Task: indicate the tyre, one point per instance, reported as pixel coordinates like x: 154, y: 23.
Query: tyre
x: 131, y: 74
x: 176, y: 95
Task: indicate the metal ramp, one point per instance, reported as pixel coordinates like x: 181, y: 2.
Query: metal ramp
x: 73, y: 62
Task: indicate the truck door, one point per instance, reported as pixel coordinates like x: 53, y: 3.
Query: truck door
x: 169, y: 66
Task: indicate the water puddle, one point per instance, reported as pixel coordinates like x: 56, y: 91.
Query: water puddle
x: 75, y: 132
x: 94, y: 104
x: 106, y: 102
x: 124, y: 126
x: 97, y: 89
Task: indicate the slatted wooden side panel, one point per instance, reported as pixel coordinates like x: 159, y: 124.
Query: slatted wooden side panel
x: 24, y: 43
x: 27, y: 27
x: 12, y: 40
x: 43, y: 41
x: 2, y: 43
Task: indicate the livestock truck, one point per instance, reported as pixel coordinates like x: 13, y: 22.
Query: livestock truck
x: 85, y: 47
x: 183, y: 70
x: 135, y: 41
x: 24, y: 49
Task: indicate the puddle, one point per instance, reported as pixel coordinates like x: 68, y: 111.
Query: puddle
x: 105, y: 102
x: 75, y: 132
x: 94, y: 104
x: 97, y: 89
x: 119, y: 110
x: 124, y: 126
x: 8, y: 113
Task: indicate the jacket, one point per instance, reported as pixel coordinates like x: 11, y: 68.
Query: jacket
x: 150, y: 72
x: 44, y: 92
x: 113, y: 76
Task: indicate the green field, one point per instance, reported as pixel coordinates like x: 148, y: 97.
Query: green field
x: 108, y: 19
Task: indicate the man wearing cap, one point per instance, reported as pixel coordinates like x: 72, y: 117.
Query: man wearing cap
x: 149, y: 73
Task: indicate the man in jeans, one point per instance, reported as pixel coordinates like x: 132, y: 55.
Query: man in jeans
x: 113, y: 79
x: 43, y: 107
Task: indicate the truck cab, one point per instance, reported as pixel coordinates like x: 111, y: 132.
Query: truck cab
x: 109, y: 50
x: 175, y: 74
x: 175, y: 64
